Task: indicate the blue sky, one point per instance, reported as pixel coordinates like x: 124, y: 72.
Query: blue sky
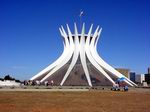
x: 30, y: 39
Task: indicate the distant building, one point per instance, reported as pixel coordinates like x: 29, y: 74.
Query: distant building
x: 147, y: 78
x: 132, y: 76
x: 123, y: 71
x: 148, y: 70
x: 139, y: 78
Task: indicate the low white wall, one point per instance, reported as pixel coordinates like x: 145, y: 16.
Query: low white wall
x: 9, y: 83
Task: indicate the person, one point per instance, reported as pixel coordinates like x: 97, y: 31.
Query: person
x: 115, y: 87
x: 37, y: 83
x: 126, y: 88
x: 52, y: 82
x: 46, y: 83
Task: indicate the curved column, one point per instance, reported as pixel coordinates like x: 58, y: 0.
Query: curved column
x: 75, y: 56
x: 102, y: 63
x: 83, y: 57
x: 59, y: 60
x: 91, y: 59
x: 69, y: 50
